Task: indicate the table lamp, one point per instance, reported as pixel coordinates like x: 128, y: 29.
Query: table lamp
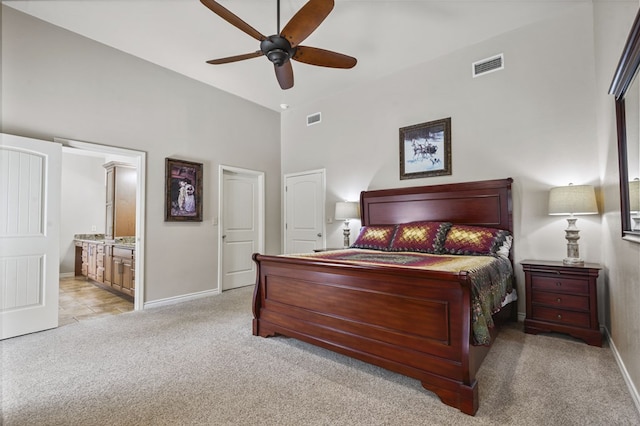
x: 572, y: 200
x: 347, y: 210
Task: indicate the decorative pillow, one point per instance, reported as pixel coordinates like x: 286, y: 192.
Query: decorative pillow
x: 475, y: 240
x: 503, y: 250
x: 423, y: 237
x: 375, y: 237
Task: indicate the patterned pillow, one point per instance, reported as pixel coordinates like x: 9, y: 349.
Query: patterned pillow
x: 375, y: 237
x: 475, y: 240
x: 423, y: 237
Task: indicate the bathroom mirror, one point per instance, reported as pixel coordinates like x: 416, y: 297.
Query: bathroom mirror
x: 626, y: 89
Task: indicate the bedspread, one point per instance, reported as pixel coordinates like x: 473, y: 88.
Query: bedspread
x: 491, y: 277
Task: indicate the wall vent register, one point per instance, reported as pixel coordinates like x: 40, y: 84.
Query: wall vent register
x: 314, y: 118
x: 488, y: 65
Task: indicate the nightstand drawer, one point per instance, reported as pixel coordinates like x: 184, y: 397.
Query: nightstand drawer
x: 561, y: 284
x: 562, y: 301
x: 560, y: 316
x: 562, y: 298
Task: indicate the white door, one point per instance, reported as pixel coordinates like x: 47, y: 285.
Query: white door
x: 304, y: 211
x: 241, y: 204
x: 29, y: 234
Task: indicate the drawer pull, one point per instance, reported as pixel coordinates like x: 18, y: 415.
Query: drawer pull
x: 559, y: 316
x: 558, y: 284
x: 559, y: 300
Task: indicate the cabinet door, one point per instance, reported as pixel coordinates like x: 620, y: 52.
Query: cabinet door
x: 127, y: 276
x: 100, y: 263
x: 108, y: 264
x: 85, y: 259
x: 91, y: 269
x: 124, y: 202
x: 116, y: 278
x: 108, y: 233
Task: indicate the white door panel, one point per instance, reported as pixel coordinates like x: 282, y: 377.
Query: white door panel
x: 29, y: 235
x: 303, y: 246
x: 241, y: 227
x: 304, y: 212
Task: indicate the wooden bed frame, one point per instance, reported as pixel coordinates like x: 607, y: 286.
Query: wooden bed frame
x: 413, y: 322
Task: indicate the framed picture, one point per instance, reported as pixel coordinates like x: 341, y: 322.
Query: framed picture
x: 425, y: 149
x: 183, y: 191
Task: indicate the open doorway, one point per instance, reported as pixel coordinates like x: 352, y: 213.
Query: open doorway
x: 137, y: 160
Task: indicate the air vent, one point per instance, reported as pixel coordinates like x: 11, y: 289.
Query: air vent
x: 485, y: 66
x: 314, y: 118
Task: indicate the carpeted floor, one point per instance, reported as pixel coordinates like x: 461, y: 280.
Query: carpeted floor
x: 196, y: 363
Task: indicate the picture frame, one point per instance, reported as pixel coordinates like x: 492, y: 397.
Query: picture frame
x: 425, y: 149
x: 183, y: 191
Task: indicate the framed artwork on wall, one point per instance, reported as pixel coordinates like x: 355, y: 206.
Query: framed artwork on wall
x: 425, y: 149
x: 183, y: 191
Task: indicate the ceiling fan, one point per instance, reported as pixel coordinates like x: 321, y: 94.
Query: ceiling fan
x: 285, y: 45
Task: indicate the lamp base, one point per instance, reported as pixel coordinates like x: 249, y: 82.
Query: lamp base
x: 572, y: 236
x: 345, y: 232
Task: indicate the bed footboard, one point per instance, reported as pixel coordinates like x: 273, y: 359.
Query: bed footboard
x: 414, y: 323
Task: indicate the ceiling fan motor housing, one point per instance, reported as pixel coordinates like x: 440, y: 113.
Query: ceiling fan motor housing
x: 277, y: 49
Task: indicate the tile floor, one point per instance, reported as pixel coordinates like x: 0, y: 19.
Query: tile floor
x: 80, y: 300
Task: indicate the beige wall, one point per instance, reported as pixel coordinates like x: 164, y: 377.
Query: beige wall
x: 621, y: 258
x: 57, y: 84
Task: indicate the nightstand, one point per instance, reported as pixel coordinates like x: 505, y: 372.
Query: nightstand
x: 563, y: 299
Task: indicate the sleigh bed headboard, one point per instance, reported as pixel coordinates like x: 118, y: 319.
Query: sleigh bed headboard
x: 483, y: 203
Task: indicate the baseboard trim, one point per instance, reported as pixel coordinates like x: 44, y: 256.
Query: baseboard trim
x: 635, y: 396
x: 179, y: 299
x: 67, y: 274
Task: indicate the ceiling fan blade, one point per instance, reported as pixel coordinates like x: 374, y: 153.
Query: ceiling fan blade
x: 284, y: 74
x: 323, y: 58
x: 225, y: 14
x: 235, y: 58
x: 306, y: 20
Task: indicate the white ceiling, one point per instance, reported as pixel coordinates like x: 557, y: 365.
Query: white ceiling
x: 385, y: 36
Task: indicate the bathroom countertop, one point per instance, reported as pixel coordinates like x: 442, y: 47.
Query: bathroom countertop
x: 124, y: 242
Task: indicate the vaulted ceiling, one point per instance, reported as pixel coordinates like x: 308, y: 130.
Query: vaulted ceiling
x: 385, y: 36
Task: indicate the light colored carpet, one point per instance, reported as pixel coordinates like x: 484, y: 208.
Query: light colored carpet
x: 196, y: 363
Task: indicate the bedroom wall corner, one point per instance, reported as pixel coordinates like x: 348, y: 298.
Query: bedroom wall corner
x: 620, y: 294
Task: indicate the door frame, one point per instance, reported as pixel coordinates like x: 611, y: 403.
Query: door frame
x: 323, y: 176
x: 220, y: 219
x: 140, y: 160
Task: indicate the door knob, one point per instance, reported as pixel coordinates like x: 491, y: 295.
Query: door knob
x: 224, y: 236
x: 319, y: 235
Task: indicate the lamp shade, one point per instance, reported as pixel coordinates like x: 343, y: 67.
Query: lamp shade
x: 634, y: 195
x: 572, y: 199
x: 346, y: 210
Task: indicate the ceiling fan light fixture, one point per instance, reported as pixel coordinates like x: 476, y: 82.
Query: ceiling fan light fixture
x: 277, y: 49
x: 278, y: 56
